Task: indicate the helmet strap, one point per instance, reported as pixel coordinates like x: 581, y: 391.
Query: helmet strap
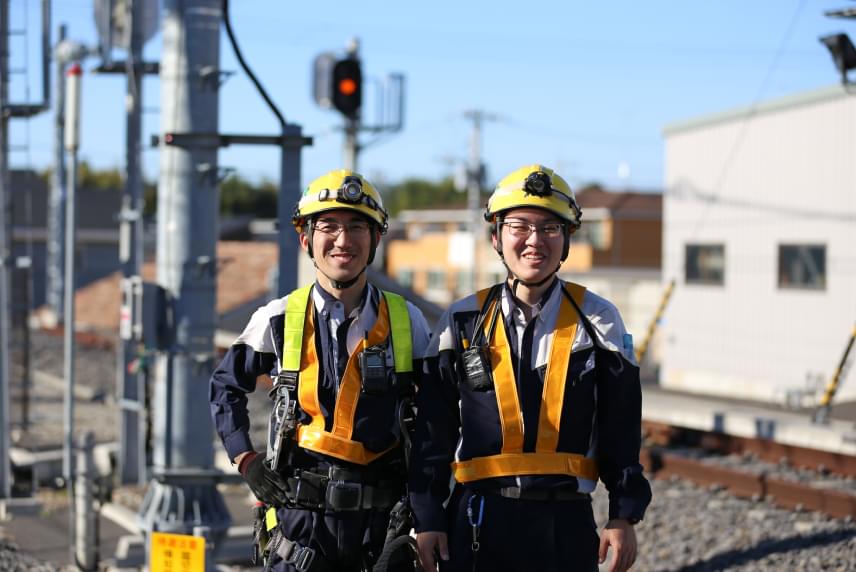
x: 515, y: 281
x: 337, y: 284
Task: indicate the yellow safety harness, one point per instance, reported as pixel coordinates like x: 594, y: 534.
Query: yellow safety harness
x: 393, y: 321
x: 545, y: 460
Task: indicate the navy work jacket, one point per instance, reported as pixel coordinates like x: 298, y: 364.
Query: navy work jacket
x: 600, y: 414
x: 258, y: 351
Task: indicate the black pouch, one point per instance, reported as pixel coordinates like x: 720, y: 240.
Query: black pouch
x: 477, y: 371
x: 344, y: 496
x: 373, y: 374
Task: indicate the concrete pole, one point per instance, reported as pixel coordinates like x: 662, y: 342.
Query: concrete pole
x: 352, y: 145
x: 352, y: 125
x: 187, y: 230
x: 474, y: 175
x: 289, y: 194
x: 56, y: 202
x: 132, y: 449
x: 183, y: 493
x: 72, y: 141
x: 5, y: 254
x: 86, y: 518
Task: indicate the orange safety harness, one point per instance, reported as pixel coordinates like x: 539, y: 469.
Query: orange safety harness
x: 545, y: 459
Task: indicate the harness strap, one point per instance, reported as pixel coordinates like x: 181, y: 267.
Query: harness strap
x: 512, y: 464
x: 402, y: 340
x: 512, y: 461
x: 299, y: 354
x: 299, y: 556
x: 555, y: 378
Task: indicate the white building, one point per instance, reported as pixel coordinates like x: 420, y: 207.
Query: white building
x: 759, y: 225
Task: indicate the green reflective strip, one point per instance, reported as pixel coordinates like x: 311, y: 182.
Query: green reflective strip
x: 399, y: 325
x: 295, y: 314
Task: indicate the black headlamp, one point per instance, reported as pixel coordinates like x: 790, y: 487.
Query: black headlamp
x: 351, y: 192
x: 538, y: 184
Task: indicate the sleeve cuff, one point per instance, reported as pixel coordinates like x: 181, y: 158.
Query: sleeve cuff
x: 427, y: 514
x: 237, y: 443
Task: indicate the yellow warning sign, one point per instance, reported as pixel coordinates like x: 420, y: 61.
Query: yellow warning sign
x: 177, y: 553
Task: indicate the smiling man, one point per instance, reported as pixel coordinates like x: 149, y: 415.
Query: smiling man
x: 530, y: 395
x: 344, y: 356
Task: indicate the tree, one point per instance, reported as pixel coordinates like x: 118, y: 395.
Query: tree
x: 422, y: 194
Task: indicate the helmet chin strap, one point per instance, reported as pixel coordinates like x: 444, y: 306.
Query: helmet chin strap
x: 337, y: 284
x: 515, y: 281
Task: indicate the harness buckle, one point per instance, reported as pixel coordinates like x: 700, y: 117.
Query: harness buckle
x: 286, y: 380
x: 301, y: 558
x: 344, y: 496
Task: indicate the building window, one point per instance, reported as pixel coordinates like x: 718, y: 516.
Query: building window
x: 705, y: 264
x: 405, y: 277
x: 593, y: 233
x: 802, y: 266
x: 464, y: 282
x: 436, y: 280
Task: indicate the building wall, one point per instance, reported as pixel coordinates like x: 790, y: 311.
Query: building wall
x: 633, y: 244
x: 751, y: 182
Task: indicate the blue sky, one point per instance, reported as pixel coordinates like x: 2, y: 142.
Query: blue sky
x: 580, y: 86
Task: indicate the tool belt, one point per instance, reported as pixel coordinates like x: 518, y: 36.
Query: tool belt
x: 534, y: 494
x: 338, y: 489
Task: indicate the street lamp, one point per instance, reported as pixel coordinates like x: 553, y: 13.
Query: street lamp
x: 843, y: 53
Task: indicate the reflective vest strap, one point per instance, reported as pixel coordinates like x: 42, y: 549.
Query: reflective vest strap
x: 402, y: 340
x: 506, y: 390
x: 295, y: 313
x: 349, y: 389
x: 307, y: 386
x: 507, y: 465
x: 555, y: 378
x: 481, y: 296
x: 318, y: 440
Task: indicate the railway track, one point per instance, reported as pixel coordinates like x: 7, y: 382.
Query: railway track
x: 794, y: 478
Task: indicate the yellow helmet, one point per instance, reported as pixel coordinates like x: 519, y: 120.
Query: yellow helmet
x: 535, y: 186
x: 340, y: 189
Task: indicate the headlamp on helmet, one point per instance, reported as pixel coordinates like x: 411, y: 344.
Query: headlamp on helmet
x: 538, y: 184
x: 534, y: 186
x: 341, y: 189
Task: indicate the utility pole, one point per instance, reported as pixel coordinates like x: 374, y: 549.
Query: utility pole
x: 56, y: 202
x: 131, y: 380
x: 475, y: 182
x: 5, y: 254
x: 72, y: 143
x: 7, y: 111
x: 352, y: 122
x: 182, y: 493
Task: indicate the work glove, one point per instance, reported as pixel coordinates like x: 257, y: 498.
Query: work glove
x: 267, y: 485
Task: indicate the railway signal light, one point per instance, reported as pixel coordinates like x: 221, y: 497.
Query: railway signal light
x: 347, y: 87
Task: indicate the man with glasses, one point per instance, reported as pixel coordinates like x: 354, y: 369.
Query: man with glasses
x: 344, y: 358
x: 530, y: 395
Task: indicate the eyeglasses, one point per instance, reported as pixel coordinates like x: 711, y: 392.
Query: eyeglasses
x: 335, y: 228
x: 522, y: 229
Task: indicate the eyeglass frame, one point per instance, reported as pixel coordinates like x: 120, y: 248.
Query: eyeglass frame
x: 354, y: 227
x: 563, y: 227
